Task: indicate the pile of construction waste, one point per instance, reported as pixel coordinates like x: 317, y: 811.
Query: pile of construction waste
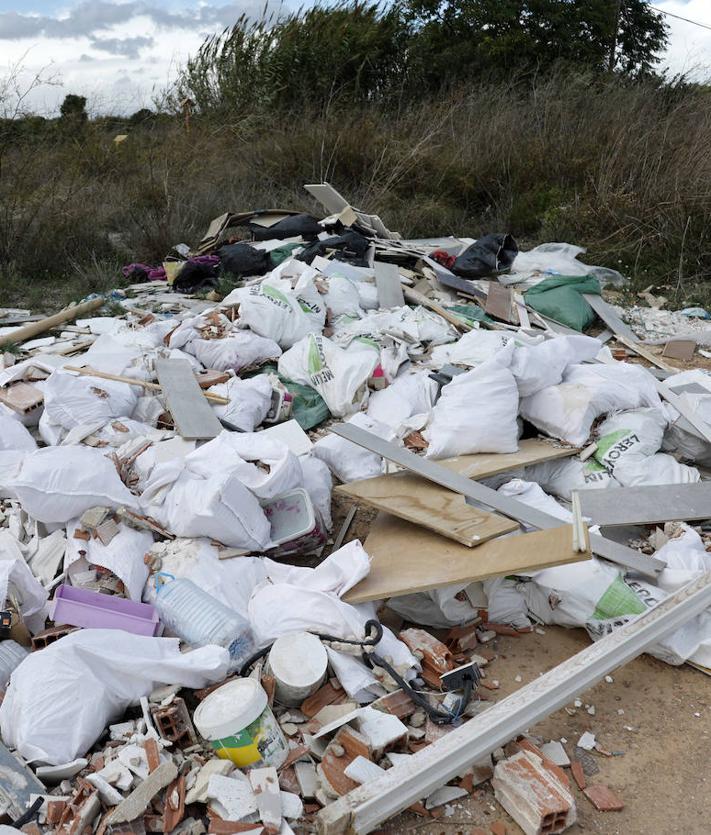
x: 191, y: 638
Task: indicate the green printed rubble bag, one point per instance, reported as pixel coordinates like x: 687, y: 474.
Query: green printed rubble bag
x: 560, y: 298
x: 585, y: 594
x: 339, y: 375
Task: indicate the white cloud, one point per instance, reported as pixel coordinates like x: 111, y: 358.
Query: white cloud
x: 689, y: 48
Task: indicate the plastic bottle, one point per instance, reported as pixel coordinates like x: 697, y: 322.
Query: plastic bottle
x: 200, y: 619
x: 11, y: 656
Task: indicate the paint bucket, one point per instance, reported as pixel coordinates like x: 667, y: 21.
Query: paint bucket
x: 298, y: 663
x: 237, y: 721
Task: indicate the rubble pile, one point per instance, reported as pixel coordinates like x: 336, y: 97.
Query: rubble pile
x: 187, y: 641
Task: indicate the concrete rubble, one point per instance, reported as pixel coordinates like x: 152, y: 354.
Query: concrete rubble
x: 168, y: 512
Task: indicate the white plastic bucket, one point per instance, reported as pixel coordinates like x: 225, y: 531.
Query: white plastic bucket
x: 298, y: 663
x: 237, y: 720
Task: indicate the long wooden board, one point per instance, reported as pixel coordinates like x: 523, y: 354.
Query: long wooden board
x: 406, y: 558
x: 193, y: 417
x: 417, y: 500
x: 645, y: 505
x: 485, y: 464
x: 482, y: 495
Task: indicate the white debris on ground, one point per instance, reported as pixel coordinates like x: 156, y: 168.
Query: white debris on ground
x: 167, y: 660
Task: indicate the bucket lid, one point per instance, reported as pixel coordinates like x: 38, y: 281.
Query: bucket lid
x: 230, y: 708
x: 298, y: 659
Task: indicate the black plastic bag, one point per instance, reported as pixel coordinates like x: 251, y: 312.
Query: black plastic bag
x: 294, y: 226
x: 351, y: 246
x: 493, y: 253
x: 194, y: 277
x: 243, y: 259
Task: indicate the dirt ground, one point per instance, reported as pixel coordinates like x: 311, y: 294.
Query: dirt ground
x: 662, y: 738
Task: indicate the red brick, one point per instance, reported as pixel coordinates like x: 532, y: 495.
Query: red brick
x: 498, y: 828
x: 576, y: 769
x: 603, y: 798
x: 533, y: 795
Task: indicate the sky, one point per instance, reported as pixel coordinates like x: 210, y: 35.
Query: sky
x: 121, y: 54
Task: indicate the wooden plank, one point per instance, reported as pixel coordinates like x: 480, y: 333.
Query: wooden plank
x: 417, y: 298
x: 646, y: 505
x: 27, y: 332
x: 417, y: 500
x: 405, y: 558
x: 609, y: 317
x: 500, y: 303
x: 193, y: 417
x: 481, y: 495
x: 461, y: 285
x: 485, y: 464
x: 387, y: 280
x: 635, y: 346
x: 363, y: 809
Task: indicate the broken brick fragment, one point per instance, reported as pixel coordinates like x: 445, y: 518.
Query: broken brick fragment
x: 434, y: 656
x: 534, y: 797
x: 576, y: 769
x: 603, y: 798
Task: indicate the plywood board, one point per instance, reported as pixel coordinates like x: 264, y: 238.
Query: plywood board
x: 387, y: 280
x: 679, y: 349
x: 406, y: 558
x: 646, y: 505
x: 482, y: 495
x: 194, y: 418
x: 417, y: 500
x: 485, y: 464
x: 500, y: 303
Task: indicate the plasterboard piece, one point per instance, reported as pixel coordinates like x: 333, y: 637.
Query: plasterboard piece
x: 645, y: 505
x: 609, y: 317
x: 387, y: 280
x: 363, y: 809
x: 491, y: 499
x: 194, y: 419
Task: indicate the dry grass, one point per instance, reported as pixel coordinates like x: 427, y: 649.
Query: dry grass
x: 623, y: 170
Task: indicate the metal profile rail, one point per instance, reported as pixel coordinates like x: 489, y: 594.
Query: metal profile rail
x: 481, y: 495
x: 364, y: 808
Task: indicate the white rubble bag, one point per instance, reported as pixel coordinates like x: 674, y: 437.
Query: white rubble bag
x: 538, y: 366
x: 299, y: 599
x: 439, y: 608
x: 56, y: 484
x: 219, y: 507
x: 339, y: 375
x: 123, y: 556
x: 567, y: 410
x: 16, y: 578
x: 250, y: 401
x: 476, y: 412
x: 342, y: 298
x: 563, y: 478
x: 472, y: 349
x: 595, y: 595
x: 71, y: 401
x: 317, y: 481
x: 61, y: 699
x: 406, y: 404
x: 13, y: 434
x: 240, y: 349
x: 273, y: 310
x: 266, y: 466
x: 229, y: 581
x: 627, y: 447
x: 349, y: 461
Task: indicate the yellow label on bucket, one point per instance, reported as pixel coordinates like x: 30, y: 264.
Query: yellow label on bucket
x: 260, y: 742
x: 242, y: 750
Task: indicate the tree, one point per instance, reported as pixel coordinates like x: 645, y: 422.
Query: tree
x: 73, y: 109
x: 465, y: 38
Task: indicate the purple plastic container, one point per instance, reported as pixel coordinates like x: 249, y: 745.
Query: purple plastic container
x: 91, y: 610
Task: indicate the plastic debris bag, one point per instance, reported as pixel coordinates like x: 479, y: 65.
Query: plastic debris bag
x: 538, y: 366
x: 239, y: 350
x: 567, y: 410
x: 95, y: 675
x: 339, y: 375
x: 71, y: 401
x: 250, y: 401
x: 56, y: 484
x: 406, y: 404
x: 476, y: 412
x: 564, y: 477
x: 348, y: 461
x: 14, y: 435
x: 493, y: 253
